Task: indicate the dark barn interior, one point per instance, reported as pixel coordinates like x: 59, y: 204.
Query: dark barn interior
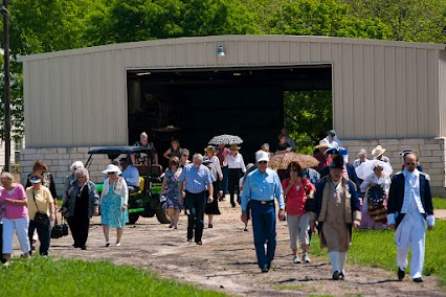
x: 203, y: 103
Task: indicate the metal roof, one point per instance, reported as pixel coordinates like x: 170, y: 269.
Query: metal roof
x: 227, y: 38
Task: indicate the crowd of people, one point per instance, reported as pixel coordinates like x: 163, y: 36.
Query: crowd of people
x: 331, y: 198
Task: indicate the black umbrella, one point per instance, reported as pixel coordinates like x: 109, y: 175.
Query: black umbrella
x: 225, y: 139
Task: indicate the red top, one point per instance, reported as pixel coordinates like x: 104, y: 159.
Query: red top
x: 297, y: 196
x: 221, y: 154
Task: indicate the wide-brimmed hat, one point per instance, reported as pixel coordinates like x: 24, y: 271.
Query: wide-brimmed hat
x: 378, y: 151
x: 112, y: 169
x: 35, y: 180
x: 210, y: 148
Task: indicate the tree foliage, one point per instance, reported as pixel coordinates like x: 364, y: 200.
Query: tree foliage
x: 50, y: 25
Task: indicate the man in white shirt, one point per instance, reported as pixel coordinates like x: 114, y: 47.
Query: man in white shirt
x: 410, y: 210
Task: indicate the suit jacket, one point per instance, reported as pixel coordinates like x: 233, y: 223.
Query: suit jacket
x: 396, y: 196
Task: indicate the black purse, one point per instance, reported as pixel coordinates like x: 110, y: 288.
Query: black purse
x: 59, y: 230
x: 40, y: 218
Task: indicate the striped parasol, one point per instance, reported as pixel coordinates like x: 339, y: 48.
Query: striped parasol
x: 283, y: 160
x: 225, y: 139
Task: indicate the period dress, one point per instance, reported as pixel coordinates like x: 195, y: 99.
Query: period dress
x: 367, y: 220
x: 336, y: 206
x: 114, y: 197
x: 172, y: 194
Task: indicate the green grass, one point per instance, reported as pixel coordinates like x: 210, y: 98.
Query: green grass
x: 376, y: 248
x: 439, y: 203
x: 40, y: 277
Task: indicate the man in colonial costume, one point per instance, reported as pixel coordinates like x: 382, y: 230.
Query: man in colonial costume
x: 410, y: 209
x: 337, y: 209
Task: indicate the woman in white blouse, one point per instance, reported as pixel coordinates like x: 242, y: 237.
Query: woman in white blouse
x: 114, y: 201
x: 236, y: 167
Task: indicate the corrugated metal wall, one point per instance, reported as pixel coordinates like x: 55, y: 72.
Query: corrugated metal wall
x: 442, y: 93
x: 381, y: 89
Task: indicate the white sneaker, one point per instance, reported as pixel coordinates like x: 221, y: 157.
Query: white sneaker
x: 296, y: 260
x: 306, y: 259
x: 118, y: 244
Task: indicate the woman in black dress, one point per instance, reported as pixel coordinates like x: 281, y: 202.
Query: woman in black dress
x: 80, y: 204
x: 213, y: 163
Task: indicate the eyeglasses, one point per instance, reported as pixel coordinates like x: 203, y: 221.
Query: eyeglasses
x: 111, y: 173
x: 263, y: 162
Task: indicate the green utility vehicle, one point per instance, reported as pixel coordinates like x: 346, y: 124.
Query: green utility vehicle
x: 146, y: 201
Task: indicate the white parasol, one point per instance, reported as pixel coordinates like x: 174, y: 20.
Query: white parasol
x: 366, y: 169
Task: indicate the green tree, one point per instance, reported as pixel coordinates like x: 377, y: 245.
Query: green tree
x: 326, y: 18
x: 214, y: 17
x: 409, y: 20
x: 133, y: 20
x: 308, y: 116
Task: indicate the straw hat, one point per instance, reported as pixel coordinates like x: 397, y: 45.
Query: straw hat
x: 112, y: 169
x: 210, y: 148
x: 378, y: 151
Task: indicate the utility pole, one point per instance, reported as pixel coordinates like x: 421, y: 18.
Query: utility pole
x: 6, y: 87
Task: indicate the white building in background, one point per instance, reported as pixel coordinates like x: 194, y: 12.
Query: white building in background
x: 383, y: 92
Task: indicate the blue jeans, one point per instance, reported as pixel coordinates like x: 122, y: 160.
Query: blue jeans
x: 264, y: 227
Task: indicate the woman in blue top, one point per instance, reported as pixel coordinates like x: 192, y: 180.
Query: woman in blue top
x: 114, y: 201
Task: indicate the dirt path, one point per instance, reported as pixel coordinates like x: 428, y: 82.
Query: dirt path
x: 227, y: 262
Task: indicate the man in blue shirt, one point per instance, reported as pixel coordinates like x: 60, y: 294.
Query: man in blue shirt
x: 259, y: 190
x: 131, y: 174
x: 195, y: 182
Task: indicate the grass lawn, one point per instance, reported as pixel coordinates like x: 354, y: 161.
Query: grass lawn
x: 377, y: 249
x: 65, y: 278
x: 439, y: 203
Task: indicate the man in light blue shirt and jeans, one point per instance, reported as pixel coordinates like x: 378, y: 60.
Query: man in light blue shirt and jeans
x: 195, y: 182
x: 260, y: 188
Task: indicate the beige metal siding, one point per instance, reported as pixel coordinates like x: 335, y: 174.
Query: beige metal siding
x: 380, y: 89
x: 442, y: 93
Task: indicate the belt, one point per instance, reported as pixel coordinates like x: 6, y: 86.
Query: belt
x: 263, y: 202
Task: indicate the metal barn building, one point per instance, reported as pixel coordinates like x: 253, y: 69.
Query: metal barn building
x: 383, y: 92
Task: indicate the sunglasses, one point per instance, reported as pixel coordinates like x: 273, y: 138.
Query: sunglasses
x: 263, y: 162
x: 111, y: 173
x: 411, y: 164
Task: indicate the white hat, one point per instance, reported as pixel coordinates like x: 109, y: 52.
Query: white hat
x: 378, y: 151
x: 112, y: 169
x: 262, y: 156
x: 324, y: 143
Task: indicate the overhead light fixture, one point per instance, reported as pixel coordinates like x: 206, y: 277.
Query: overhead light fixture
x: 220, y: 51
x: 143, y: 73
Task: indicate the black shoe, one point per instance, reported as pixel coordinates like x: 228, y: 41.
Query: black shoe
x: 84, y: 247
x: 418, y: 280
x: 232, y: 204
x: 189, y: 239
x: 335, y: 275
x: 210, y: 226
x: 341, y: 276
x: 265, y: 269
x: 199, y: 242
x: 75, y: 245
x: 401, y: 274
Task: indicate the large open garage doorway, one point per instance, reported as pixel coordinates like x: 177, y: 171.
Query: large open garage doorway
x: 201, y: 103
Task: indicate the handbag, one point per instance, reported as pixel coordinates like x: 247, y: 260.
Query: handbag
x: 59, y: 230
x: 40, y: 218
